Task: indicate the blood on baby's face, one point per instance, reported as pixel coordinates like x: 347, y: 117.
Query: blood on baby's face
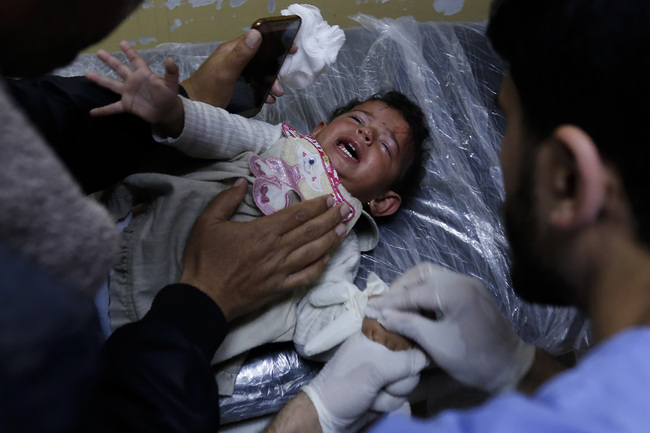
x: 369, y: 146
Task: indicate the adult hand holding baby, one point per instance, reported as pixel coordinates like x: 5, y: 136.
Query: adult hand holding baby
x: 242, y: 266
x: 452, y: 317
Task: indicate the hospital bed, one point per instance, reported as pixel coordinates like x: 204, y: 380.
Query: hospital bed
x: 453, y: 218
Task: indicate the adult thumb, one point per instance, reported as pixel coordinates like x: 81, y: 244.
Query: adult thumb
x: 224, y: 205
x: 245, y: 49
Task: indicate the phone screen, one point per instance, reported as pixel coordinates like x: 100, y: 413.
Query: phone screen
x: 259, y: 75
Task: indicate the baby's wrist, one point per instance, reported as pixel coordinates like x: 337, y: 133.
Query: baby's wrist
x: 171, y: 125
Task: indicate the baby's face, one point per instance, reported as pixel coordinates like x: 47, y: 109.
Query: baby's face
x: 370, y: 148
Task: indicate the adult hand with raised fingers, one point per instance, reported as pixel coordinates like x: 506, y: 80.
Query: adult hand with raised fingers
x: 363, y: 379
x: 453, y: 319
x: 214, y: 81
x: 243, y: 266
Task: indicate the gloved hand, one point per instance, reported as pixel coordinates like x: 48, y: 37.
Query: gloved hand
x: 363, y: 376
x: 453, y: 319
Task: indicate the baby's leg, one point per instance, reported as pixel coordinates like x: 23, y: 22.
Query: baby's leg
x: 374, y: 331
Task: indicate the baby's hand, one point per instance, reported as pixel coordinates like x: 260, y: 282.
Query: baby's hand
x: 145, y: 94
x: 374, y: 331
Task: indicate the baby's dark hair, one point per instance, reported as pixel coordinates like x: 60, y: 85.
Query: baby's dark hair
x: 419, y: 132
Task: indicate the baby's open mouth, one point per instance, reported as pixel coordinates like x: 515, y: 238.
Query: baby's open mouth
x: 348, y: 149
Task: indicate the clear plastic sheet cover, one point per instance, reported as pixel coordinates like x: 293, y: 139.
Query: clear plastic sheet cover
x: 453, y: 219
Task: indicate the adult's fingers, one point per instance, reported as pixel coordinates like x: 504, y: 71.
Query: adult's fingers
x: 418, y: 328
x: 276, y: 92
x: 305, y: 233
x: 416, y: 275
x: 406, y: 298
x: 404, y: 387
x: 306, y: 274
x: 305, y: 219
x: 242, y: 53
x: 309, y: 241
x: 429, y: 288
x: 386, y: 403
x: 277, y: 89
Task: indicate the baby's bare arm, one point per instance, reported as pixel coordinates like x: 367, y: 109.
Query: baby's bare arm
x: 374, y: 331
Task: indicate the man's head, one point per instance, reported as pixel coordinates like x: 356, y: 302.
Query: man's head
x: 574, y: 156
x: 37, y: 36
x: 375, y: 146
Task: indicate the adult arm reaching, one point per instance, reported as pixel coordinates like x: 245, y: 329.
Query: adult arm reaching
x: 242, y: 266
x: 59, y: 107
x: 361, y: 381
x: 164, y: 359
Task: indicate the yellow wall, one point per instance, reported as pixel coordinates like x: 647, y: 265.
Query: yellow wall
x: 193, y: 21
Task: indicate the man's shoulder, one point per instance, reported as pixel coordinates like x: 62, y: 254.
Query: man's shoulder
x: 606, y: 391
x: 608, y: 386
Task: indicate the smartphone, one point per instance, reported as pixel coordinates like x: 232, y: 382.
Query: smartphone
x: 258, y: 77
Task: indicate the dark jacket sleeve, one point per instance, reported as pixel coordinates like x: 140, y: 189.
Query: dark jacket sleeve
x: 49, y: 348
x: 98, y: 151
x: 151, y: 376
x: 156, y: 375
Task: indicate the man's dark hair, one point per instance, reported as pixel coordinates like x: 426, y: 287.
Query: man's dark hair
x: 419, y: 132
x: 586, y: 63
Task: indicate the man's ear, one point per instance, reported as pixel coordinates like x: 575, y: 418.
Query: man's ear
x: 322, y: 124
x: 385, y: 205
x: 576, y: 178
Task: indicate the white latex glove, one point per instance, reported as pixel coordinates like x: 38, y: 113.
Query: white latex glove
x: 471, y: 340
x: 363, y: 376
